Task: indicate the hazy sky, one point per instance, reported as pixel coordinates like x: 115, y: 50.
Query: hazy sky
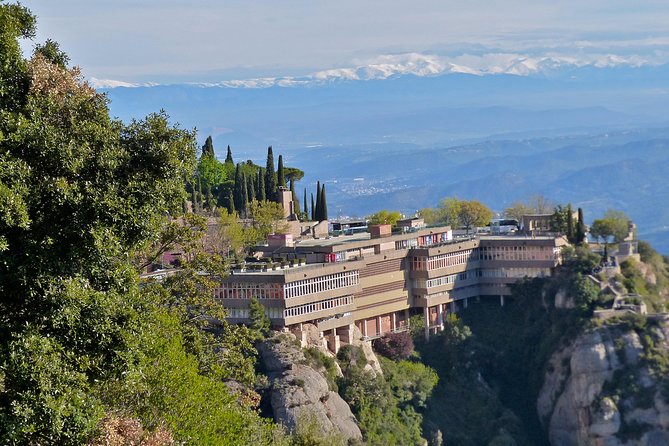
x: 205, y: 40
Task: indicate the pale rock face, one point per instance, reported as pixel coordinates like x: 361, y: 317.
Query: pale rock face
x: 298, y: 392
x: 564, y: 300
x: 574, y: 404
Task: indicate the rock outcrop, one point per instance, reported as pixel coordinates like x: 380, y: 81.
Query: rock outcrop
x: 608, y: 388
x: 299, y: 393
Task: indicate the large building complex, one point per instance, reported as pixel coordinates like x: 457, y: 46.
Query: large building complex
x: 377, y: 279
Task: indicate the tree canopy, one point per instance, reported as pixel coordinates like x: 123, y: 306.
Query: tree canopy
x: 385, y: 217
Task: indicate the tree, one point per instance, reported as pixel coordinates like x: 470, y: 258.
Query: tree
x: 540, y: 204
x: 261, y: 185
x: 296, y: 203
x: 250, y: 189
x: 324, y: 205
x: 517, y: 210
x: 208, y: 148
x: 270, y: 176
x: 306, y: 207
x: 260, y: 322
x: 385, y: 217
x: 317, y: 212
x: 228, y: 156
x: 473, y: 213
x: 449, y: 212
x: 281, y: 179
x: 267, y: 218
x: 313, y: 210
x: 50, y: 51
x: 82, y: 199
x: 613, y: 227
x: 580, y: 227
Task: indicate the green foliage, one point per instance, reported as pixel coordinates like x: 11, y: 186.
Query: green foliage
x: 82, y: 198
x: 585, y: 294
x: 385, y: 217
x: 260, y: 322
x: 580, y: 259
x: 458, y: 213
x: 386, y: 405
x: 318, y: 360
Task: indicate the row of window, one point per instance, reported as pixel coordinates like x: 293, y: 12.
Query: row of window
x: 444, y: 260
x: 318, y: 306
x: 243, y: 313
x: 248, y: 290
x: 519, y: 253
x: 451, y: 278
x: 321, y: 284
x: 516, y: 273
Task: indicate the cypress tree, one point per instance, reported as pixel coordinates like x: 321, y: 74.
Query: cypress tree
x: 228, y: 157
x: 193, y: 199
x: 270, y: 176
x: 260, y: 190
x: 245, y: 197
x: 250, y: 189
x: 296, y: 204
x: 313, y: 210
x: 281, y: 178
x: 231, y: 202
x: 239, y: 190
x: 306, y: 206
x: 580, y: 227
x: 205, y: 197
x: 317, y: 211
x: 324, y: 205
x: 199, y: 194
x: 222, y: 197
x: 570, y: 223
x: 208, y: 147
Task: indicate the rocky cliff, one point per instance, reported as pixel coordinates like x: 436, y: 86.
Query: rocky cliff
x: 298, y: 392
x: 610, y: 386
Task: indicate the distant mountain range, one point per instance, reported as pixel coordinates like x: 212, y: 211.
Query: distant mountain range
x: 409, y: 131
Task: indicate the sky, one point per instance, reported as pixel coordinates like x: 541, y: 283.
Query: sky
x: 214, y: 40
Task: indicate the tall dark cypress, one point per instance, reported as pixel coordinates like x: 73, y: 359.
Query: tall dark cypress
x: 313, y: 210
x: 306, y: 205
x: 208, y: 147
x: 199, y: 194
x: 250, y: 188
x: 260, y: 190
x: 281, y: 177
x: 245, y: 198
x: 231, y: 202
x: 570, y: 223
x: 580, y: 227
x: 317, y: 211
x: 228, y: 157
x: 324, y: 205
x: 239, y: 193
x: 270, y: 176
x: 296, y: 203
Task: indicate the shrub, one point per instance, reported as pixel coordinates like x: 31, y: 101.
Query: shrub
x: 395, y: 346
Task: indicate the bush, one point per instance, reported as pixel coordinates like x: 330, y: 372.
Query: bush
x: 395, y: 346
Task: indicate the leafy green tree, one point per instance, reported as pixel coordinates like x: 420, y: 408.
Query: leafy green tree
x: 50, y: 50
x: 385, y: 217
x: 267, y: 218
x: 81, y: 196
x: 260, y: 322
x: 517, y: 210
x: 473, y: 213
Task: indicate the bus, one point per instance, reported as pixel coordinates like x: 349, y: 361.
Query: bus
x: 503, y: 226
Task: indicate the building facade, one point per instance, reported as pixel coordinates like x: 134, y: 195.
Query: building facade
x: 377, y: 280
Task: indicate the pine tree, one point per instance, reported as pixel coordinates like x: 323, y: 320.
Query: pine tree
x: 281, y: 178
x: 208, y: 147
x: 324, y: 205
x: 317, y: 211
x: 270, y: 176
x: 313, y: 210
x: 228, y: 157
x: 260, y: 190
